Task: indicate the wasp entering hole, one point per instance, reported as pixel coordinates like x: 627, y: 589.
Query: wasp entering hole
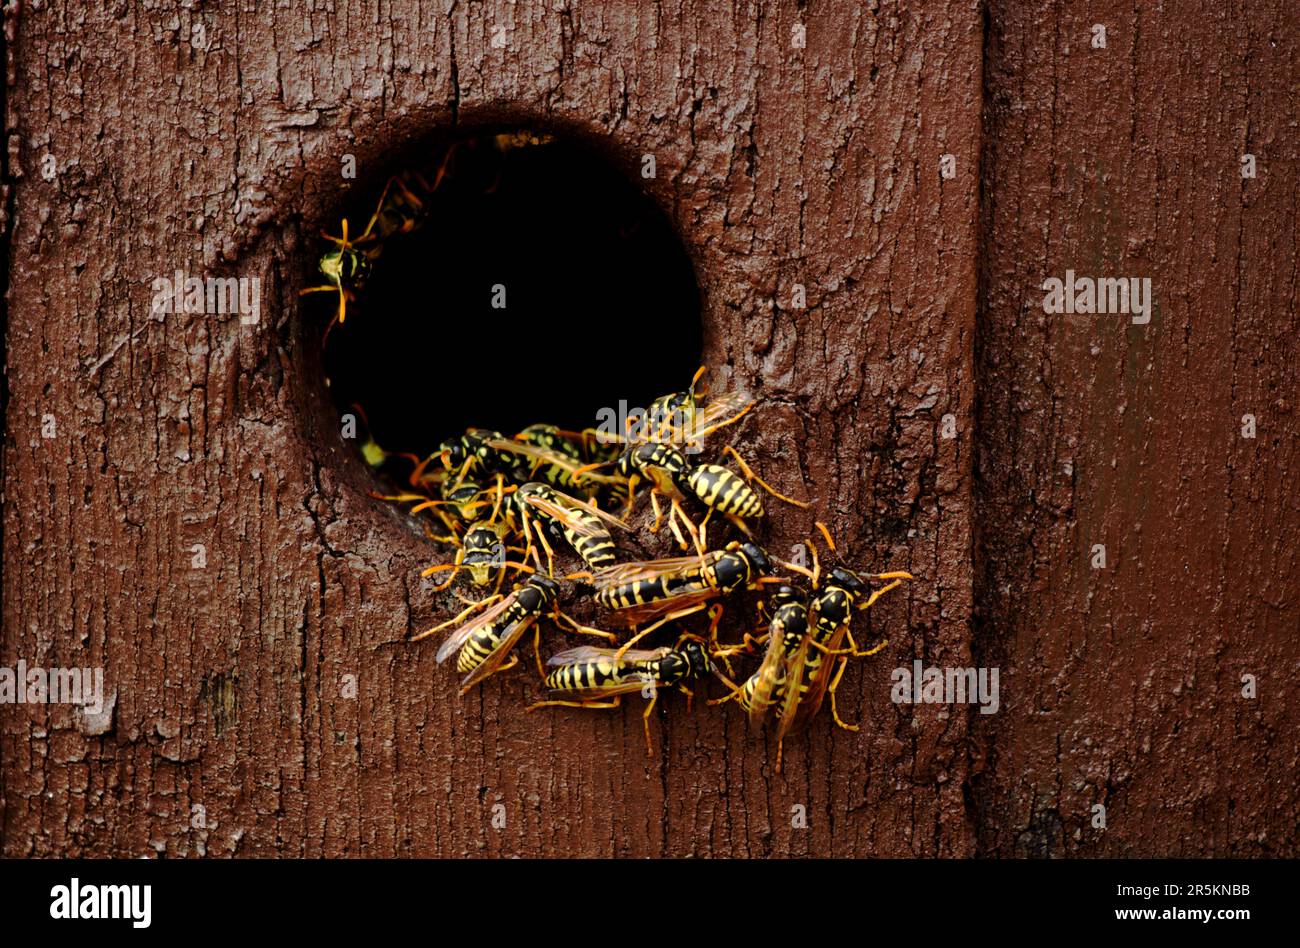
x: 499, y: 279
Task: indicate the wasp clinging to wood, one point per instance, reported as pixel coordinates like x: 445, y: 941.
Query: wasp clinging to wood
x: 808, y: 672
x: 719, y: 489
x: 484, y: 642
x: 592, y: 677
x: 788, y: 626
x: 660, y: 591
x: 402, y: 207
x: 582, y: 525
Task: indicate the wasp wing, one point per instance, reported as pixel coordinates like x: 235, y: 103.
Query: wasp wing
x: 647, y: 612
x: 591, y: 653
x: 812, y: 700
x: 494, y: 659
x: 775, y: 668
x: 565, y: 512
x: 546, y: 456
x: 673, y: 567
x: 462, y: 634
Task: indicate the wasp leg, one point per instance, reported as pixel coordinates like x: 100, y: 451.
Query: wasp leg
x: 740, y: 525
x: 654, y: 503
x: 690, y: 696
x: 871, y: 600
x: 735, y: 690
x: 550, y: 703
x: 835, y: 683
x: 645, y: 721
x: 537, y: 649
x: 584, y: 629
x: 853, y: 647
x: 679, y: 614
x: 690, y: 528
x: 702, y: 433
x: 672, y: 525
x: 750, y: 475
x: 453, y: 566
x: 474, y: 607
x: 830, y: 542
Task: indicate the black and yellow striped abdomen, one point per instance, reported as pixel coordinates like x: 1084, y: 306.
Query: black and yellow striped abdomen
x: 638, y: 592
x: 724, y: 491
x: 834, y: 607
x: 602, y: 674
x: 596, y: 547
x: 528, y: 603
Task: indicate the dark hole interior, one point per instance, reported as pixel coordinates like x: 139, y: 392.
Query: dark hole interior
x: 601, y: 303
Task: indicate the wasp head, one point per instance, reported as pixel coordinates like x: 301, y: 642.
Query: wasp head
x: 785, y: 595
x: 346, y: 268
x: 756, y: 558
x: 847, y: 580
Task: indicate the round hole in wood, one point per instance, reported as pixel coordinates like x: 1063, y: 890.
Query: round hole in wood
x: 537, y: 283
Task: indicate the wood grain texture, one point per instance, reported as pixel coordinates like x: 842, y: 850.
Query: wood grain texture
x: 779, y: 166
x: 210, y: 141
x: 1123, y: 685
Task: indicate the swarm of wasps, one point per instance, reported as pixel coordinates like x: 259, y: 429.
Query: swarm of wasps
x: 507, y: 504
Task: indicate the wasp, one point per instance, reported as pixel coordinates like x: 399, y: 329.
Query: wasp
x: 557, y: 459
x: 401, y: 208
x: 718, y: 488
x: 509, y: 141
x: 809, y: 676
x: 477, y: 451
x: 679, y: 417
x: 581, y: 524
x: 765, y: 688
x: 483, y: 643
x: 660, y: 591
x: 593, y: 677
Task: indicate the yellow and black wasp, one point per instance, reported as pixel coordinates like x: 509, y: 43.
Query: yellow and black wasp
x: 582, y: 525
x: 592, y: 677
x: 816, y: 667
x: 719, y: 489
x: 550, y: 453
x: 788, y: 626
x: 483, y: 643
x: 680, y: 418
x: 660, y: 591
x: 402, y: 207
x: 478, y: 453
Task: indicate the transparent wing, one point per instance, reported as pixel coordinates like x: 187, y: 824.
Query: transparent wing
x: 462, y: 633
x: 812, y: 701
x: 567, y: 510
x: 591, y: 653
x: 649, y: 612
x: 672, y: 567
x: 775, y: 663
x: 490, y: 664
x: 545, y: 456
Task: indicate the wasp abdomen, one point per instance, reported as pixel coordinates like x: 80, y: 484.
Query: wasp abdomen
x: 724, y: 491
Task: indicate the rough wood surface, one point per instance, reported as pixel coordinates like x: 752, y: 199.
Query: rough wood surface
x: 1123, y: 685
x: 210, y: 140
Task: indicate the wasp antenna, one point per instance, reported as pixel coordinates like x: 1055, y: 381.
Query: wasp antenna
x: 699, y: 374
x: 827, y: 534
